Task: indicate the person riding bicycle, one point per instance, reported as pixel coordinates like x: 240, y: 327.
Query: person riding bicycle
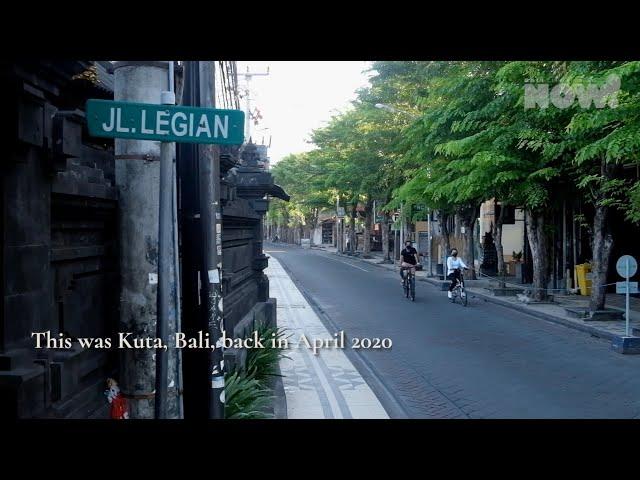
x: 409, y: 259
x: 454, y: 265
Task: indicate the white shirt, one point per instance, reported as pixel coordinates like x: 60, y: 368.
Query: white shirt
x: 453, y: 263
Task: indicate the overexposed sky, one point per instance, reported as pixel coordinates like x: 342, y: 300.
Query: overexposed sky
x: 297, y: 97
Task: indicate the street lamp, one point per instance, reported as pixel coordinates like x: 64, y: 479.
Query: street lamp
x: 382, y: 106
x: 389, y: 108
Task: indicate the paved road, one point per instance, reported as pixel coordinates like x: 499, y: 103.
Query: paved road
x: 482, y: 361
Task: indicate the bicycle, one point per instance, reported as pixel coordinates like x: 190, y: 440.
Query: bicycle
x: 458, y: 289
x: 409, y: 283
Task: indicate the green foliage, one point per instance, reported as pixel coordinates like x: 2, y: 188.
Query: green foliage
x: 466, y: 137
x: 262, y: 363
x: 247, y: 391
x: 633, y: 213
x: 245, y: 397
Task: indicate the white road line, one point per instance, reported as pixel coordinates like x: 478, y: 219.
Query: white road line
x: 295, y: 317
x: 360, y: 401
x: 347, y: 263
x: 328, y: 391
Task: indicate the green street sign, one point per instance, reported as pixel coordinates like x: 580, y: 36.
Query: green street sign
x: 165, y: 123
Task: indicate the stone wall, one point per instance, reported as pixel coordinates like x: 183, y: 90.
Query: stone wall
x: 59, y: 210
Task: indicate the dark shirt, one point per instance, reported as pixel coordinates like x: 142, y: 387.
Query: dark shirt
x: 408, y: 255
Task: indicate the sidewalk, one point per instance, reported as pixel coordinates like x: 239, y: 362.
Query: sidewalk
x: 326, y: 385
x: 554, y: 312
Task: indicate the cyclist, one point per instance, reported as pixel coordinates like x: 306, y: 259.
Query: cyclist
x: 409, y: 259
x: 454, y: 264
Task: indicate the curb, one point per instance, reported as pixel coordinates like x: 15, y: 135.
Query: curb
x: 534, y: 313
x: 395, y: 408
x: 280, y: 398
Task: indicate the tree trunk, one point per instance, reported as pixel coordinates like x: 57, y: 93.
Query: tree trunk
x: 446, y: 234
x: 601, y: 248
x: 385, y: 237
x: 368, y: 226
x: 468, y: 219
x: 352, y: 233
x: 601, y: 245
x: 498, y: 242
x: 539, y: 253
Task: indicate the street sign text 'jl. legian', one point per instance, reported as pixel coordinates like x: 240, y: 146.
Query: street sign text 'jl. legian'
x: 165, y: 123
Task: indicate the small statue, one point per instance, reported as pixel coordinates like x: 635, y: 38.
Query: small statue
x: 119, y: 410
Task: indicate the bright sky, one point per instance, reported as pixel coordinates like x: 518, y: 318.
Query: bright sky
x: 297, y: 97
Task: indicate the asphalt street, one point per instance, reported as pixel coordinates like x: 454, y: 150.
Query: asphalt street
x: 450, y: 361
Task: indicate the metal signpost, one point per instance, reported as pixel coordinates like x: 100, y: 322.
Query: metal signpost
x: 165, y: 239
x: 627, y: 268
x: 166, y: 123
x: 340, y: 212
x: 378, y: 214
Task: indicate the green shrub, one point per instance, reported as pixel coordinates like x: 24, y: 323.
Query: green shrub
x: 247, y: 391
x: 245, y: 397
x: 262, y: 363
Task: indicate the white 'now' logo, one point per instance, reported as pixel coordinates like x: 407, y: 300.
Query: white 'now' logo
x: 563, y: 96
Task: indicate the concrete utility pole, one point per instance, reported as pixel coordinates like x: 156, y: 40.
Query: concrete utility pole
x: 429, y: 241
x: 138, y: 180
x: 401, y: 226
x: 338, y: 226
x: 247, y: 96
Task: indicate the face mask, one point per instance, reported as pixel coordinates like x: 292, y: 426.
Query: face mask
x: 455, y: 254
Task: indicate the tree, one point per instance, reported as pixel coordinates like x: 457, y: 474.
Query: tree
x: 604, y: 140
x: 302, y: 177
x: 477, y: 138
x: 445, y: 142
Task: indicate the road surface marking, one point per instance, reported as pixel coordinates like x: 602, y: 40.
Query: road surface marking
x: 347, y: 263
x: 315, y: 385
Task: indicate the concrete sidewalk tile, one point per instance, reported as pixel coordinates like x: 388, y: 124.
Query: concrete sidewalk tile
x: 368, y: 412
x: 326, y: 385
x: 305, y: 413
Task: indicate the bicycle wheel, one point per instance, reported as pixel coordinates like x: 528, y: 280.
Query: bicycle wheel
x: 463, y: 297
x: 413, y: 288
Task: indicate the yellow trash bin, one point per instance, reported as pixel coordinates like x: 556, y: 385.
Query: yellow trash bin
x: 584, y: 283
